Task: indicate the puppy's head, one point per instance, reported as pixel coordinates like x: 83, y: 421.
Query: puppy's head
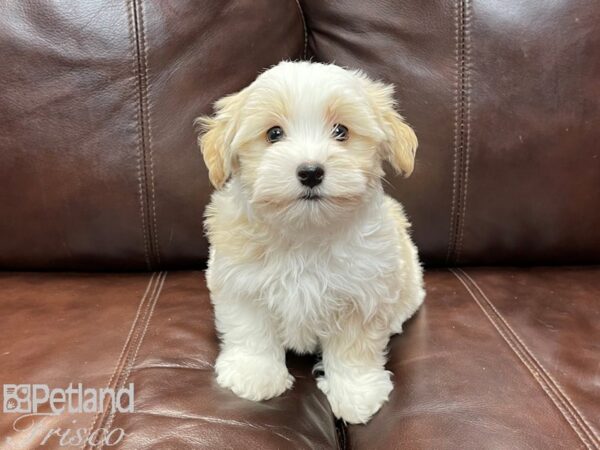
x: 306, y: 141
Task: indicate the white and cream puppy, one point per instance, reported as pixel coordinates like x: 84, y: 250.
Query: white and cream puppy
x: 307, y: 252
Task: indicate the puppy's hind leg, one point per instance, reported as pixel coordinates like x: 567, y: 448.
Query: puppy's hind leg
x: 412, y: 292
x: 252, y: 360
x: 409, y: 302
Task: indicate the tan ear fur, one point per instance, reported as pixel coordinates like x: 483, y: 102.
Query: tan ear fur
x: 216, y: 135
x: 400, y: 143
x: 401, y: 146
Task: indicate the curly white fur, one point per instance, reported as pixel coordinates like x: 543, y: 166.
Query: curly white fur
x: 337, y: 275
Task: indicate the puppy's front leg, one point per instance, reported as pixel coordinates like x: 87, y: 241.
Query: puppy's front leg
x: 252, y: 360
x: 355, y: 381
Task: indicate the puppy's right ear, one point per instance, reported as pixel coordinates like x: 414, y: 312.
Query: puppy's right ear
x: 216, y: 135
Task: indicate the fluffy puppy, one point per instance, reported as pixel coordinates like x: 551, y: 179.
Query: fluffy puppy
x: 307, y: 252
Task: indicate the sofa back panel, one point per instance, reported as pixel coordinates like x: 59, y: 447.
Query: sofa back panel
x: 505, y: 100
x: 68, y: 169
x: 99, y: 167
x: 534, y: 176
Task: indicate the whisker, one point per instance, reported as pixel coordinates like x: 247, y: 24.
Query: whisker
x: 385, y: 180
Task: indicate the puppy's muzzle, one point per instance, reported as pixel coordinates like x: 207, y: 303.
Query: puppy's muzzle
x: 310, y: 174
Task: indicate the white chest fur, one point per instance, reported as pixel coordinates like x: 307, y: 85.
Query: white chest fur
x: 307, y: 286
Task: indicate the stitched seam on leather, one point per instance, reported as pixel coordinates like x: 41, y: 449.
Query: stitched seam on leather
x: 301, y: 11
x: 526, y: 360
x: 532, y: 370
x: 461, y: 142
x: 146, y: 77
x: 456, y: 139
x: 146, y: 321
x: 138, y: 119
x: 578, y: 415
x: 102, y: 423
x: 117, y: 383
x: 147, y: 177
x: 341, y: 434
x: 124, y: 352
x: 466, y: 63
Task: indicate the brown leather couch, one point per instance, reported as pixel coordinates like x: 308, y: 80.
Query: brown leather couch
x: 102, y: 191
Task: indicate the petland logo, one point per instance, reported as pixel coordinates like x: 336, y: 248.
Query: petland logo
x: 27, y: 398
x: 36, y: 404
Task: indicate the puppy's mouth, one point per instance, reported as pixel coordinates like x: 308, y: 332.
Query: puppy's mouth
x: 310, y: 196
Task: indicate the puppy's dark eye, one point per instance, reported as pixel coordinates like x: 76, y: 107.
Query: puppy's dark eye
x: 275, y: 134
x: 340, y: 132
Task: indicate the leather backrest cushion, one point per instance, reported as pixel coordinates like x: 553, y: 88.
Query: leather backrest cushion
x: 99, y: 167
x: 505, y: 100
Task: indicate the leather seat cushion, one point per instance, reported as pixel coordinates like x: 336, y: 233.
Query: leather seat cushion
x: 499, y: 358
x: 153, y: 330
x: 505, y: 357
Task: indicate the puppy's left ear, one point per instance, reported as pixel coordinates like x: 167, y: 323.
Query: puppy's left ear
x: 399, y: 144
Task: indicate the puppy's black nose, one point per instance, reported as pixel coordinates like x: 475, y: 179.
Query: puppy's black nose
x: 310, y: 174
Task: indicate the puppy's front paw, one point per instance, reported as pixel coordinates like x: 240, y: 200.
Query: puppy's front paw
x: 253, y: 377
x: 356, y: 395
